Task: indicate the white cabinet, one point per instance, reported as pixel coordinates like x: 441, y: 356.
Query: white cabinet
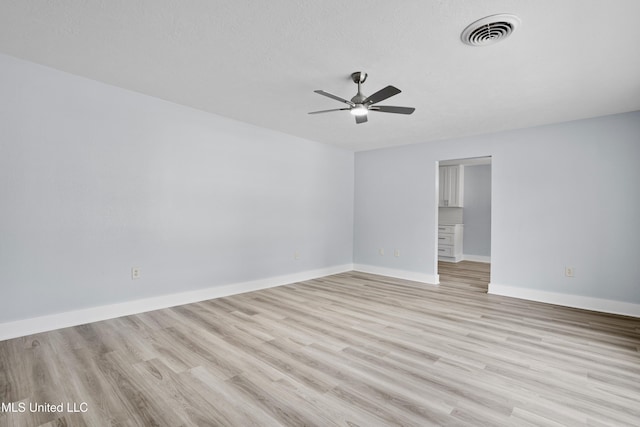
x: 451, y: 191
x: 450, y: 242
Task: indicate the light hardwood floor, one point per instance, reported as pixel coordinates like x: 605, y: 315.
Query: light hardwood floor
x: 352, y: 349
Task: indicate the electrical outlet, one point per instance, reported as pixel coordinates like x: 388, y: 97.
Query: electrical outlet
x: 569, y: 272
x: 296, y: 255
x: 135, y: 273
x: 396, y: 252
x: 381, y: 251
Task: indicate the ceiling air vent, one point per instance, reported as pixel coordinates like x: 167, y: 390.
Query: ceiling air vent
x: 490, y: 30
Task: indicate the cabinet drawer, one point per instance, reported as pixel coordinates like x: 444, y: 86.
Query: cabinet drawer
x: 445, y: 239
x: 446, y: 229
x: 445, y: 250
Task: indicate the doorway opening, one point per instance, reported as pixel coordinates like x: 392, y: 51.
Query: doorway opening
x: 464, y: 222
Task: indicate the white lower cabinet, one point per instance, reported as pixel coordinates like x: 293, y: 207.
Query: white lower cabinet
x: 450, y: 242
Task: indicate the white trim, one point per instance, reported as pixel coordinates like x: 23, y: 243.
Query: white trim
x: 399, y: 274
x: 477, y: 258
x: 35, y: 325
x: 567, y: 300
x: 454, y: 259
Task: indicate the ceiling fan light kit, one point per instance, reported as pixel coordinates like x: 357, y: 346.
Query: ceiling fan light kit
x: 360, y: 105
x: 359, y: 110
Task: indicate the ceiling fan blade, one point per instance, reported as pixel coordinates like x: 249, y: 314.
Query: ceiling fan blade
x: 327, y: 111
x: 332, y: 96
x: 361, y: 119
x: 382, y: 94
x: 390, y: 109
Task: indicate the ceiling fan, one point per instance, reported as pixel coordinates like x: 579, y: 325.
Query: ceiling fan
x: 360, y: 105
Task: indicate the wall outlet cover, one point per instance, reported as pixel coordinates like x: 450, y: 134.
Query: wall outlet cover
x: 569, y: 271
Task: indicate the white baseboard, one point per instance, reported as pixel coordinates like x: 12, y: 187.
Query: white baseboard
x: 567, y: 300
x: 35, y: 325
x: 454, y: 259
x: 399, y: 274
x: 477, y: 258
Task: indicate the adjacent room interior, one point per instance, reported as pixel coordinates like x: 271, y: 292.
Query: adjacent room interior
x: 320, y: 213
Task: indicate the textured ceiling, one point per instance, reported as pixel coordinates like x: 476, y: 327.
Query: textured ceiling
x: 259, y: 61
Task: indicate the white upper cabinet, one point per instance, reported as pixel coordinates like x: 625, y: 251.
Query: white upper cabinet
x: 451, y: 186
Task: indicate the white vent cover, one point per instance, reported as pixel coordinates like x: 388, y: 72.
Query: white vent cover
x: 490, y: 30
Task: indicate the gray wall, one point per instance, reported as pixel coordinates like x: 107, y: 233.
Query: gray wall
x: 562, y: 195
x: 477, y: 210
x: 95, y: 180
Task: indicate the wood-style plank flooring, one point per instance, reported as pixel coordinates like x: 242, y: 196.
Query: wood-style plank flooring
x: 352, y: 349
